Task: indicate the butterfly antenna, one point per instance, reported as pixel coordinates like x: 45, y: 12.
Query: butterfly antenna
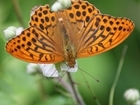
x: 88, y: 74
x: 60, y: 78
x: 53, y: 73
x: 91, y: 90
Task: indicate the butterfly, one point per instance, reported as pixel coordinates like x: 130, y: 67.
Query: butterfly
x: 76, y: 32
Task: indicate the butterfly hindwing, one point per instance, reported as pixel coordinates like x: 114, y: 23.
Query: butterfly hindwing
x: 103, y: 33
x: 32, y: 46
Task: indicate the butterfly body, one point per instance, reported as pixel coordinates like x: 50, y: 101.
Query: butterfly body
x: 68, y: 47
x: 76, y: 32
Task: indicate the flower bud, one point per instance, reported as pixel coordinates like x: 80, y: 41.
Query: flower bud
x: 65, y: 3
x: 131, y: 95
x: 56, y: 6
x: 10, y: 32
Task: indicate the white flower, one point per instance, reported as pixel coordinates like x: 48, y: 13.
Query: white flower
x: 56, y: 6
x: 60, y: 4
x: 49, y: 70
x: 131, y: 95
x: 32, y: 68
x: 19, y: 30
x: 12, y: 31
x: 65, y: 3
x: 65, y: 67
x: 137, y: 102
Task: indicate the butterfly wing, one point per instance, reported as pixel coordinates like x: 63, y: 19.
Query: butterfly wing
x: 91, y: 32
x: 75, y: 19
x: 103, y: 33
x: 39, y: 43
x: 33, y: 45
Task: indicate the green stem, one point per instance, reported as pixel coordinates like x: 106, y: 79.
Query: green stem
x: 76, y: 94
x: 117, y: 75
x: 18, y: 12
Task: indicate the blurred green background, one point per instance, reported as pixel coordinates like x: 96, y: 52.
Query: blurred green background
x: 17, y: 87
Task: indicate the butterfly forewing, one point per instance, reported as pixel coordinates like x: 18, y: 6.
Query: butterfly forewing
x: 81, y: 11
x: 76, y: 18
x: 41, y: 42
x: 44, y: 19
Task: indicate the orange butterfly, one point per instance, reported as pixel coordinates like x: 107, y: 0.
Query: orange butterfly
x: 76, y: 32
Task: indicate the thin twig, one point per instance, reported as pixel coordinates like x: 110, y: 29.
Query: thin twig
x: 77, y: 96
x: 111, y: 97
x: 66, y: 86
x: 18, y: 12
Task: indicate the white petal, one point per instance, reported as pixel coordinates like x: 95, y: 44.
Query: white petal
x: 65, y: 3
x: 56, y: 6
x: 32, y: 68
x: 10, y: 32
x: 49, y: 70
x: 19, y: 30
x: 65, y: 67
x: 137, y: 102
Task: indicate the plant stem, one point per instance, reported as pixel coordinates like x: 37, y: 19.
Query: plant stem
x: 111, y: 97
x: 18, y: 12
x: 76, y: 94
